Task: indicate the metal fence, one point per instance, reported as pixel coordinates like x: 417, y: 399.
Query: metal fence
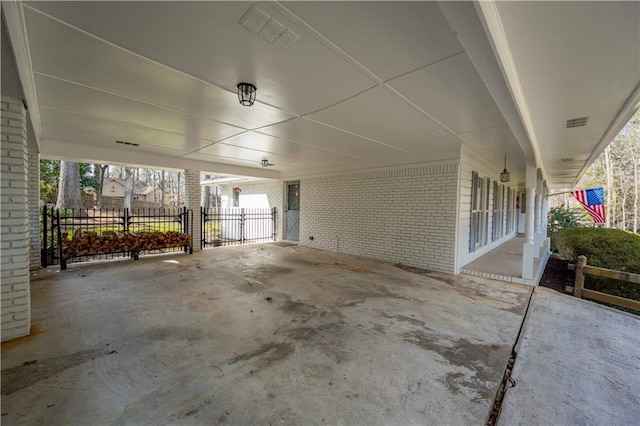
x: 57, y: 226
x: 232, y: 226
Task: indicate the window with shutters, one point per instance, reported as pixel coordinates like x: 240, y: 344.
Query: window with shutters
x: 478, y: 232
x: 498, y: 211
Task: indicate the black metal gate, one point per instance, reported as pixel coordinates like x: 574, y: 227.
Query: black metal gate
x: 232, y: 226
x: 57, y: 225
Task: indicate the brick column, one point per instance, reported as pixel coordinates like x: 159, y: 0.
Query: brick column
x: 193, y: 194
x: 14, y: 228
x: 33, y: 196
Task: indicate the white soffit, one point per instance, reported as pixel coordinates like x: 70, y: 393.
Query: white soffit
x: 389, y: 38
x: 204, y: 39
x: 572, y: 59
x: 62, y: 95
x: 452, y: 92
x: 64, y: 52
x: 379, y: 115
x: 270, y: 144
x: 116, y: 130
x: 313, y: 134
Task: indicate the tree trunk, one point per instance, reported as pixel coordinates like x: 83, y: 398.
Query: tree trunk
x: 610, y: 209
x: 635, y: 183
x: 128, y: 187
x: 100, y: 170
x: 69, y: 187
x: 162, y: 186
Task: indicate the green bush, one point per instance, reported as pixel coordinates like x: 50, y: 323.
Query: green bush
x: 605, y: 248
x: 563, y: 218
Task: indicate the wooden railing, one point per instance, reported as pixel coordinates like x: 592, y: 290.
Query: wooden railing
x: 583, y: 269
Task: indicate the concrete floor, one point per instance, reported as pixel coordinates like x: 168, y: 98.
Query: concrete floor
x: 578, y: 363
x: 260, y: 334
x: 503, y: 263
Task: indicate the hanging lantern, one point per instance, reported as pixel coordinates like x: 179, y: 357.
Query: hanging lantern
x: 505, y: 176
x: 246, y: 94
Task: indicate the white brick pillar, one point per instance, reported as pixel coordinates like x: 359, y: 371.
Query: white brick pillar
x: 528, y: 249
x: 16, y: 296
x: 193, y: 193
x: 33, y: 196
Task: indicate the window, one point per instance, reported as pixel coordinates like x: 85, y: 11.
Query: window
x: 479, y: 211
x: 510, y: 204
x: 498, y: 211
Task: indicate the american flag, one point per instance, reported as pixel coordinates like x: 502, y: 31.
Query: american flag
x: 593, y: 201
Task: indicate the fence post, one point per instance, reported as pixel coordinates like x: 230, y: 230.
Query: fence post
x: 241, y: 226
x: 63, y: 260
x: 274, y: 213
x: 579, y: 284
x: 43, y: 247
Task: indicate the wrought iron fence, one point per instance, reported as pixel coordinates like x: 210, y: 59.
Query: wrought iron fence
x: 232, y: 226
x: 58, y: 229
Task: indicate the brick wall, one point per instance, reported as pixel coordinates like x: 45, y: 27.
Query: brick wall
x: 192, y: 198
x: 33, y: 196
x: 403, y: 216
x: 16, y: 320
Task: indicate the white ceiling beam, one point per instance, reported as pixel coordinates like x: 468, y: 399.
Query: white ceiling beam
x: 17, y: 31
x: 463, y: 19
x: 492, y: 23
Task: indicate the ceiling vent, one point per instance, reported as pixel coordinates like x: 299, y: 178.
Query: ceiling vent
x: 439, y: 133
x: 576, y: 122
x: 128, y: 143
x: 566, y: 160
x: 267, y: 28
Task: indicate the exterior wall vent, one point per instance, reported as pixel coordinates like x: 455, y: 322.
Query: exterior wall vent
x: 127, y: 143
x: 576, y: 122
x: 267, y: 28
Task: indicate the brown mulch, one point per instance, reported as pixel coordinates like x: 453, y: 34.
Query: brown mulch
x: 557, y: 275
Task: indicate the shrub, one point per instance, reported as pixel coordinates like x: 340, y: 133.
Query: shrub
x: 605, y: 248
x: 562, y: 218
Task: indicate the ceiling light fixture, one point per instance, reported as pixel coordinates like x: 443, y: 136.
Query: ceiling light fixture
x: 505, y: 176
x: 265, y: 162
x: 246, y: 94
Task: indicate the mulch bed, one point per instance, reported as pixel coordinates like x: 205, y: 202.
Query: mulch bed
x: 557, y: 275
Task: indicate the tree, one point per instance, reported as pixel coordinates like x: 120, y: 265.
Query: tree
x: 617, y: 171
x: 69, y: 186
x: 100, y: 170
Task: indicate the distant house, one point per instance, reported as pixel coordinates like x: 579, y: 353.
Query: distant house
x: 115, y: 188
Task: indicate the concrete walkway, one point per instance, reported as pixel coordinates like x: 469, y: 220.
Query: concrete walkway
x: 578, y: 363
x: 260, y: 334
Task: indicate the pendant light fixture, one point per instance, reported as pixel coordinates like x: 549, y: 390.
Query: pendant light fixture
x: 246, y: 94
x: 505, y: 176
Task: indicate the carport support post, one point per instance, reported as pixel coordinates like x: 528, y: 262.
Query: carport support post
x: 193, y: 193
x: 16, y: 293
x: 528, y: 250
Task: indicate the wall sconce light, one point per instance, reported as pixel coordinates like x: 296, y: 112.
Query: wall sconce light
x: 246, y: 94
x: 505, y: 176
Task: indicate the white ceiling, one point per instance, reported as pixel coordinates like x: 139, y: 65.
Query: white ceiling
x: 366, y: 84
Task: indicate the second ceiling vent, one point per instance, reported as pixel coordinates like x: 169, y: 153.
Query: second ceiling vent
x: 267, y: 28
x: 576, y: 122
